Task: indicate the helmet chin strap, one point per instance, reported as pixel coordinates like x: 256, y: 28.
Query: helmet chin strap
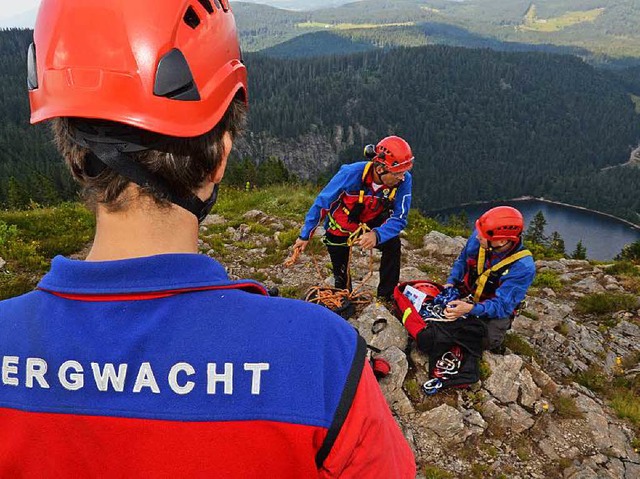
x: 114, y: 153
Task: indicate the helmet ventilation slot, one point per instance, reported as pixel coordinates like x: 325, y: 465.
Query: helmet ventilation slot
x: 191, y: 18
x: 206, y: 4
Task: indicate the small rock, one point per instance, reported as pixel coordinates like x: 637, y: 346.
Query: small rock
x: 503, y: 384
x: 446, y: 422
x: 441, y: 244
x: 380, y: 328
x: 589, y: 285
x: 255, y: 215
x: 529, y: 392
x: 213, y: 220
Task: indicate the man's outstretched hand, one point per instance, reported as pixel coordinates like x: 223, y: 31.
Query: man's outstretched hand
x: 300, y: 245
x: 368, y: 240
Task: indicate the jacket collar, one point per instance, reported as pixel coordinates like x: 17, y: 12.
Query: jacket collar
x: 160, y: 273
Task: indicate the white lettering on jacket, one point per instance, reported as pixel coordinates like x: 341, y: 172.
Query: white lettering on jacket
x: 173, y: 378
x: 257, y: 369
x: 181, y: 377
x: 36, y: 369
x: 146, y: 379
x: 10, y: 366
x: 108, y: 375
x: 75, y: 380
x: 226, y: 378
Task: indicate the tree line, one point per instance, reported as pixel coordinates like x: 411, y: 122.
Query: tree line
x: 484, y: 125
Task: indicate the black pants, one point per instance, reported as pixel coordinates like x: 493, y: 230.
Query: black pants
x: 496, y: 331
x: 389, y: 264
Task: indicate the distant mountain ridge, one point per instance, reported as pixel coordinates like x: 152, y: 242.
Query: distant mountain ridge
x: 584, y: 27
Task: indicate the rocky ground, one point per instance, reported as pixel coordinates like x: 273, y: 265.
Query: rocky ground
x: 531, y: 415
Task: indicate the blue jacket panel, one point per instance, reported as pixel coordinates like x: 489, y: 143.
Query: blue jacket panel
x: 514, y: 283
x: 194, y: 356
x: 349, y: 180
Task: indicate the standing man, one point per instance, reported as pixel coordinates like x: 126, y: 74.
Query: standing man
x: 366, y: 204
x: 145, y: 360
x: 496, y: 269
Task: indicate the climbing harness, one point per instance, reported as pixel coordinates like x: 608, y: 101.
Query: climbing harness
x: 483, y: 276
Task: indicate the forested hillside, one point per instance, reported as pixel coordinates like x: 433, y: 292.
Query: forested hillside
x: 600, y: 31
x: 29, y: 166
x: 484, y: 125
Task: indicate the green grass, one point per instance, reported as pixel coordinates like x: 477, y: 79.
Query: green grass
x: 626, y: 404
x: 30, y: 239
x: 562, y: 328
x: 593, y: 378
x: 283, y: 201
x: 519, y: 346
x: 605, y: 303
x: 548, y: 279
x: 532, y: 23
x: 485, y: 370
x: 530, y: 315
x: 566, y: 407
x: 434, y: 472
x: 419, y: 225
x: 47, y: 232
x: 351, y: 26
x: 624, y: 268
x: 293, y: 292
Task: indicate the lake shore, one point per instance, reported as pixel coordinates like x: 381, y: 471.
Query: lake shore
x: 543, y: 200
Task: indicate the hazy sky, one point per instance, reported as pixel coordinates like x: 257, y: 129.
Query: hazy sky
x: 9, y: 8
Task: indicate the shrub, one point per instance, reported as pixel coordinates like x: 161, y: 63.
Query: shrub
x: 548, y: 279
x: 15, y: 285
x: 593, y: 378
x: 626, y: 404
x: 624, y: 268
x: 434, y: 472
x: 485, y: 370
x: 603, y: 303
x: 565, y: 407
x: 519, y: 345
x: 419, y: 225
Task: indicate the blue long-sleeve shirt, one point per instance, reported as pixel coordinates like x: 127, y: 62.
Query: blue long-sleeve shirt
x: 349, y: 180
x: 514, y: 283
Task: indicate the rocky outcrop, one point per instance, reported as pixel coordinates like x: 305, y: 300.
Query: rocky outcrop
x: 436, y: 243
x: 307, y: 156
x: 526, y: 418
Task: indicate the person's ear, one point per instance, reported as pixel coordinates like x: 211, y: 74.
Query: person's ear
x: 218, y: 174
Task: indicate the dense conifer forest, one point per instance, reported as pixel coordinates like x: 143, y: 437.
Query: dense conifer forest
x: 484, y: 125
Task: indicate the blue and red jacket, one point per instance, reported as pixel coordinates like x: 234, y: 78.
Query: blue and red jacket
x: 504, y: 290
x: 353, y: 185
x: 163, y: 367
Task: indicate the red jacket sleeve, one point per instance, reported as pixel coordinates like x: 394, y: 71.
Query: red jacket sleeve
x: 370, y: 443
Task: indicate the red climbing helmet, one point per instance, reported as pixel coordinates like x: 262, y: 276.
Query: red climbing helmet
x: 430, y: 288
x: 169, y: 66
x: 501, y: 223
x: 393, y: 153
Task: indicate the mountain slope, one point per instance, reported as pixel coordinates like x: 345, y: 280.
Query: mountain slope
x: 602, y: 31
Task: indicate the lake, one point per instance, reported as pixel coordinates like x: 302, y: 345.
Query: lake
x: 603, y: 236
